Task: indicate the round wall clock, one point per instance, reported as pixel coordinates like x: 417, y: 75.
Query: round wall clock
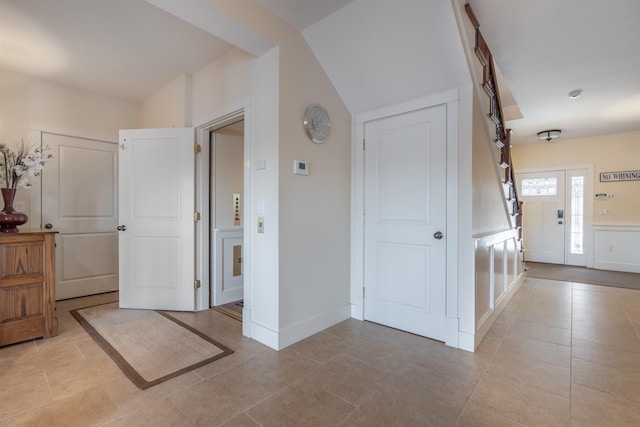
x: 317, y: 123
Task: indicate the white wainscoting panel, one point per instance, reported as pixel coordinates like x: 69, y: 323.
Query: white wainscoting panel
x: 484, y: 303
x: 227, y: 286
x: 616, y: 248
x: 498, y: 272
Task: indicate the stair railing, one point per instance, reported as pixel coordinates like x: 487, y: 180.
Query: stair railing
x: 502, y: 135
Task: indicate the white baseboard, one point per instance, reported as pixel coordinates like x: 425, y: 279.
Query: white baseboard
x: 262, y: 334
x: 617, y: 266
x: 294, y: 333
x: 451, y: 327
x: 357, y: 308
x: 466, y: 341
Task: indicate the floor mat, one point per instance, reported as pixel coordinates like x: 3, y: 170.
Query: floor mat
x: 148, y: 346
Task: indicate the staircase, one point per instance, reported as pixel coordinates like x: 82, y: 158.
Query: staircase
x: 502, y: 134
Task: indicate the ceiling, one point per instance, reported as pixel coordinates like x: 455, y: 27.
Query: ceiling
x: 544, y: 48
x: 548, y: 48
x: 123, y: 48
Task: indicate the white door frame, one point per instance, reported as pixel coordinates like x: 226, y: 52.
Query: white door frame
x: 588, y: 205
x: 227, y: 115
x: 451, y: 99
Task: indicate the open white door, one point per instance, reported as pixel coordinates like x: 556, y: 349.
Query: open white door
x: 157, y: 202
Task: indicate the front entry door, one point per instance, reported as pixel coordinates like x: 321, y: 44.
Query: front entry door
x: 405, y: 218
x: 157, y: 203
x: 544, y: 217
x: 79, y: 200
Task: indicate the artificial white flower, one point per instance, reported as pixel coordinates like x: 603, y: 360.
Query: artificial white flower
x: 26, y: 161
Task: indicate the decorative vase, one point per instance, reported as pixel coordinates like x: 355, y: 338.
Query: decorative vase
x: 9, y: 218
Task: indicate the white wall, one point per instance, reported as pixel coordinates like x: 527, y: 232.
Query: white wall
x: 239, y: 78
x: 314, y: 209
x: 616, y: 248
x: 380, y: 53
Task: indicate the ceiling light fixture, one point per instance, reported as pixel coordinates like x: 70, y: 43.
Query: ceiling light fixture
x: 575, y: 94
x: 548, y: 135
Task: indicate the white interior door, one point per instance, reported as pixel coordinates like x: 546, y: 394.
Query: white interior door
x: 544, y: 215
x: 405, y: 211
x: 157, y: 204
x: 79, y: 200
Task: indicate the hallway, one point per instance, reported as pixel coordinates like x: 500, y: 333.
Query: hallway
x: 559, y: 354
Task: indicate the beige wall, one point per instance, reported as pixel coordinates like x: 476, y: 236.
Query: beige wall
x: 608, y: 153
x: 29, y: 105
x: 300, y: 265
x: 169, y: 107
x: 229, y: 179
x: 314, y: 211
x: 26, y: 102
x: 315, y: 243
x: 489, y: 209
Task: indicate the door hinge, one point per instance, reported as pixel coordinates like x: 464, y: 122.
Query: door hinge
x: 364, y: 144
x: 196, y: 284
x: 364, y: 218
x: 197, y: 148
x: 196, y: 216
x: 363, y: 291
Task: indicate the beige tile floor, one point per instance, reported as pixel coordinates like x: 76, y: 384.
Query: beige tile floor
x: 560, y: 354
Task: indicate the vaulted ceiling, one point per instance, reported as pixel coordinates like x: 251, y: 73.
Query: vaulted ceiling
x: 376, y: 52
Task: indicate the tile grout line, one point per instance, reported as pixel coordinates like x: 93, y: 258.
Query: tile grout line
x: 571, y: 356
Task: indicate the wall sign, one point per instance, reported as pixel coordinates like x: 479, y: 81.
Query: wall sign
x: 620, y: 176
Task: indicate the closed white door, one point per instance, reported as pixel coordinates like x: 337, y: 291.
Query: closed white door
x: 405, y: 218
x: 543, y: 218
x: 79, y: 200
x: 157, y: 204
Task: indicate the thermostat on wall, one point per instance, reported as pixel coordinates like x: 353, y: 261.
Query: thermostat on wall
x: 300, y: 167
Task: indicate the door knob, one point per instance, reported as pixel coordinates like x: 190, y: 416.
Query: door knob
x: 122, y: 228
x: 48, y: 226
x: 559, y: 222
x: 438, y: 235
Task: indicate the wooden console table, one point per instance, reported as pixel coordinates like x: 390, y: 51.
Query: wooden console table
x: 27, y: 285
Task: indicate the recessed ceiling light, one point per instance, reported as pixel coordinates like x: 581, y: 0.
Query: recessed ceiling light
x: 575, y: 94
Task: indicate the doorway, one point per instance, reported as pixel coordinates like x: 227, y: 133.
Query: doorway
x: 226, y: 199
x: 556, y: 215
